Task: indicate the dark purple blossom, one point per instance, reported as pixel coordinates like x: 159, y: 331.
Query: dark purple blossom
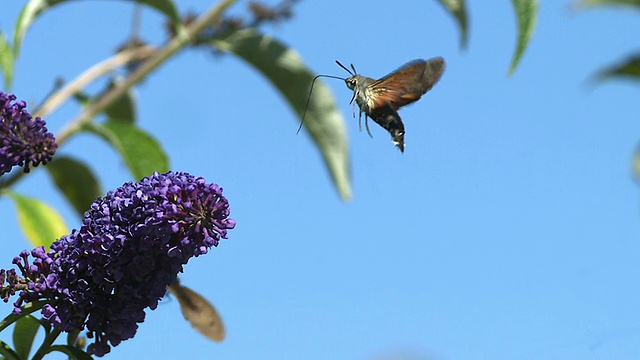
x: 132, y: 244
x: 23, y: 141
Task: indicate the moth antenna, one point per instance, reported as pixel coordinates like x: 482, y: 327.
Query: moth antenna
x: 306, y: 106
x: 344, y: 67
x: 354, y: 69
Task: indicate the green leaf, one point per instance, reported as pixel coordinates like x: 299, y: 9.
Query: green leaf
x: 23, y: 335
x: 139, y: 150
x: 608, y: 2
x: 26, y: 310
x: 73, y: 339
x: 636, y: 163
x: 458, y: 9
x: 41, y: 224
x: 527, y: 14
x: 123, y: 108
x: 6, y: 61
x: 166, y: 7
x: 76, y: 181
x: 7, y: 352
x: 286, y: 71
x: 629, y: 68
x: 27, y: 16
x: 73, y: 352
x: 34, y: 8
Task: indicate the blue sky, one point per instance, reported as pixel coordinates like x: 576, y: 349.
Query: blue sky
x: 507, y: 230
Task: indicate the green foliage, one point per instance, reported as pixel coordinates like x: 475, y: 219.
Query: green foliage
x: 40, y: 223
x: 7, y: 352
x: 286, y: 71
x: 71, y: 351
x: 629, y: 68
x: 122, y: 108
x: 526, y: 14
x: 26, y: 310
x: 458, y: 9
x: 6, y: 61
x: 609, y: 2
x: 76, y: 181
x: 24, y: 334
x: 35, y: 8
x: 140, y: 151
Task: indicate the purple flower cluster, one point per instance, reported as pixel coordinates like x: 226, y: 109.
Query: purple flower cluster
x: 23, y: 140
x: 132, y: 244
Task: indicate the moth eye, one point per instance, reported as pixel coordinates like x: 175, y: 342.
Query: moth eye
x: 351, y: 83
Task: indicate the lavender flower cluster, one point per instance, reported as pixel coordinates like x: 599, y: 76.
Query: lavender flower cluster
x: 132, y: 244
x: 23, y: 141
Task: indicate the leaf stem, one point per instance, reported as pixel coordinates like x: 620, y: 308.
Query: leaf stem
x: 46, y: 344
x: 184, y: 36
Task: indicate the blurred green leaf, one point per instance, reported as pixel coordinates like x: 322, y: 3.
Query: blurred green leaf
x: 458, y: 9
x: 23, y: 335
x: 122, y: 109
x: 33, y: 8
x: 6, y: 62
x: 636, y: 163
x: 76, y: 181
x: 71, y: 351
x: 7, y: 352
x: 527, y: 14
x: 40, y: 223
x: 167, y: 7
x: 629, y: 68
x: 82, y: 98
x: 609, y: 2
x: 140, y: 151
x: 286, y: 71
x: 26, y: 310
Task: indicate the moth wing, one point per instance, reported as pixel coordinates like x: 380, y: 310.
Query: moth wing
x: 408, y: 83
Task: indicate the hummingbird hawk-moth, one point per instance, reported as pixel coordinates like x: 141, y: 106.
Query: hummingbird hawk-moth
x: 380, y: 99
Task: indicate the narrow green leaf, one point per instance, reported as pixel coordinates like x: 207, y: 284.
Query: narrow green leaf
x: 34, y: 8
x: 139, y: 150
x: 286, y: 71
x: 27, y: 16
x: 6, y: 61
x: 71, y: 351
x: 122, y: 109
x: 76, y: 181
x: 166, y: 7
x: 458, y: 10
x: 527, y: 14
x: 23, y: 335
x: 7, y: 352
x: 587, y: 3
x: 41, y: 224
x: 636, y: 163
x: 26, y: 310
x: 74, y: 339
x: 629, y: 69
x: 82, y: 98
